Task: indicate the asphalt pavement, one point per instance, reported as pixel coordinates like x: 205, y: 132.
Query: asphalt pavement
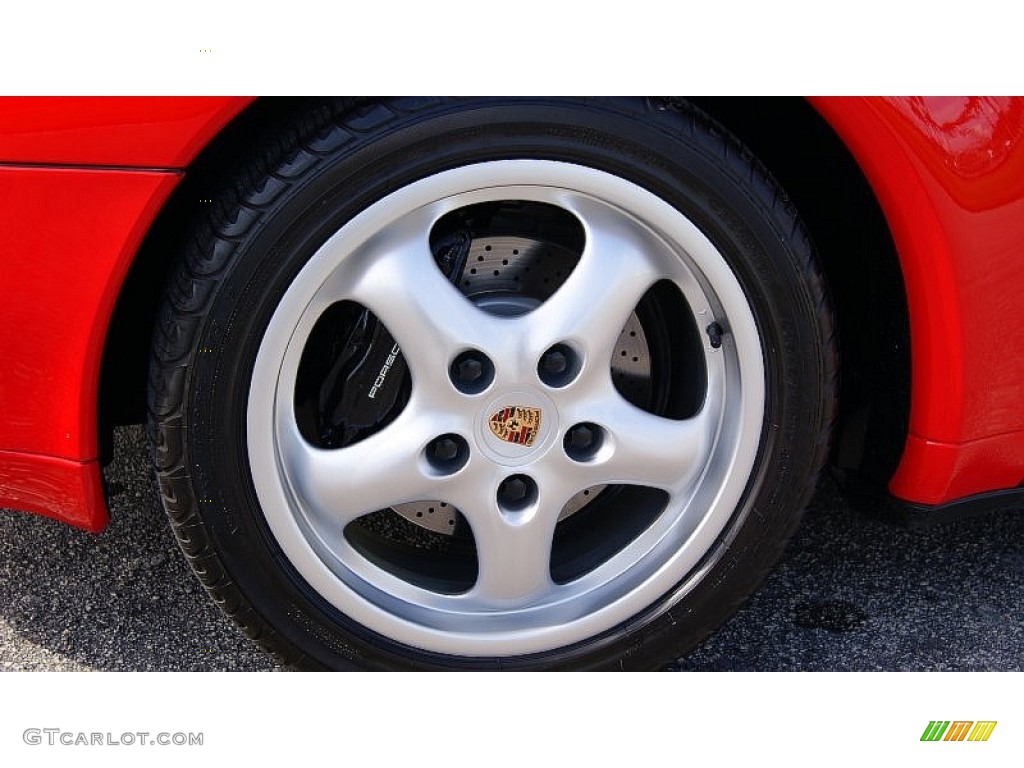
x: 852, y: 593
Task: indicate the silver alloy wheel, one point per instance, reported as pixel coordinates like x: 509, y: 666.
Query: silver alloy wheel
x: 382, y: 260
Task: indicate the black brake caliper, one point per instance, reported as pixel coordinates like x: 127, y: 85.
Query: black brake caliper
x: 353, y: 380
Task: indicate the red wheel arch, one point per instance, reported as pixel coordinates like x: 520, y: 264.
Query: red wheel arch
x: 949, y: 175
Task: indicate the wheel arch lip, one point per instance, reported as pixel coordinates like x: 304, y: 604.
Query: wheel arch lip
x: 947, y: 175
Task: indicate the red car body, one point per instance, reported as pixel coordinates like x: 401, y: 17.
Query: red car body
x: 83, y: 180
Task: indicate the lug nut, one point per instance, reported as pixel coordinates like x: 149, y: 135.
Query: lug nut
x: 513, y: 489
x: 558, y: 366
x: 582, y: 441
x: 581, y: 437
x: 445, y: 449
x: 516, y: 493
x: 447, y: 453
x: 471, y: 372
x: 554, y: 361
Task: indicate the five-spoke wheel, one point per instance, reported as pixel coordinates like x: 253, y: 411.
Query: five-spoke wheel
x: 496, y: 383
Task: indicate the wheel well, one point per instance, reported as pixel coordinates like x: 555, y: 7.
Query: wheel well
x: 798, y: 147
x: 125, y: 364
x: 862, y: 272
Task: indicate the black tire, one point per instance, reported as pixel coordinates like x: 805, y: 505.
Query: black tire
x: 335, y: 165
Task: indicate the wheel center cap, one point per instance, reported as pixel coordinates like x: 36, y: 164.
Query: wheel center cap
x: 515, y: 427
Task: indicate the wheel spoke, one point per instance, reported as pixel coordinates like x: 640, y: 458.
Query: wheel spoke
x: 590, y: 308
x: 650, y: 450
x: 514, y: 548
x: 514, y: 560
x: 338, y: 485
x: 395, y: 276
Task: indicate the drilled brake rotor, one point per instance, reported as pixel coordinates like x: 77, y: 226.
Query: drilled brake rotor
x: 510, y: 276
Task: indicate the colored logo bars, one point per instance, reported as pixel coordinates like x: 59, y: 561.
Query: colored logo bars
x: 958, y: 730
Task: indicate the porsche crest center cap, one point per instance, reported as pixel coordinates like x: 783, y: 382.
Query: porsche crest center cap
x: 517, y: 424
x: 514, y: 428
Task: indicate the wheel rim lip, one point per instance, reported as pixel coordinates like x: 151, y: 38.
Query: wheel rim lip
x: 661, y: 561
